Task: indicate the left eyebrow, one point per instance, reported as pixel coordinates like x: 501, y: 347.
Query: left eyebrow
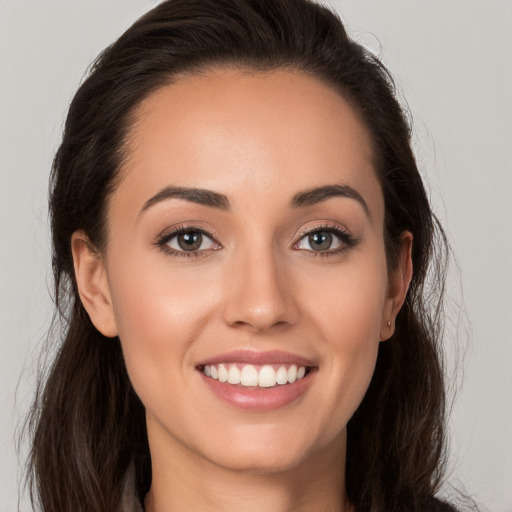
x: 316, y: 195
x: 192, y: 194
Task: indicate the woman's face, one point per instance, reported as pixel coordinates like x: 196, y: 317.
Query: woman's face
x: 245, y: 241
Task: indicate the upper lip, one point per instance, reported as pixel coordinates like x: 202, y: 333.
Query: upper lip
x: 258, y: 358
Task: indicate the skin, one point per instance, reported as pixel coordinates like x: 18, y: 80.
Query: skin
x: 259, y: 139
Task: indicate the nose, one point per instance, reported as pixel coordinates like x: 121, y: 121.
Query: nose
x: 260, y: 292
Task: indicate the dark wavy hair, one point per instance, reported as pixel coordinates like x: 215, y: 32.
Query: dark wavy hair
x: 87, y: 423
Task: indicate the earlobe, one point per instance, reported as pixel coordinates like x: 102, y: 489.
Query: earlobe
x: 399, y: 282
x: 93, y: 287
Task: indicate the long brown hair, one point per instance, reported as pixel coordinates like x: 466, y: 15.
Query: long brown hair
x: 88, y: 424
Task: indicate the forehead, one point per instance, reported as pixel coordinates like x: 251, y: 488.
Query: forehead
x: 230, y: 130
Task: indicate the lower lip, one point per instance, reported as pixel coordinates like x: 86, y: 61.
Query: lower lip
x: 259, y: 399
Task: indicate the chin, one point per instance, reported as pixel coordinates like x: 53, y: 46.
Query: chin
x: 260, y: 463
x: 265, y: 454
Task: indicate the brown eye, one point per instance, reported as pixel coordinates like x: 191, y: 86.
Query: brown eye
x: 190, y: 241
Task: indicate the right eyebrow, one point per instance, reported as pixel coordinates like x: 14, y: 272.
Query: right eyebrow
x: 316, y: 195
x: 195, y: 195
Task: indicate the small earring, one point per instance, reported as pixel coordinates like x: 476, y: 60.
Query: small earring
x: 389, y: 323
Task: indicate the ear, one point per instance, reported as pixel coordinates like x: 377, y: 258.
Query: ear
x: 93, y: 287
x: 399, y: 281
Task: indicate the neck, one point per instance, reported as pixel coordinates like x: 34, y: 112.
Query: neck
x: 185, y: 481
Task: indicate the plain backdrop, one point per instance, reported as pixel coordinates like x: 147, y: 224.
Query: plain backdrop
x: 452, y: 61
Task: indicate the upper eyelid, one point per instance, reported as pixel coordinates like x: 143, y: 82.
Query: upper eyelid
x: 170, y: 233
x: 162, y: 242
x: 345, y: 236
x: 320, y: 227
x: 323, y: 227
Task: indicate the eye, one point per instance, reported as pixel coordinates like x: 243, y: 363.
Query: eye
x: 319, y: 241
x: 326, y: 240
x: 188, y: 240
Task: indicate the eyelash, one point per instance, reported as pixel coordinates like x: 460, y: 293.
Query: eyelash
x: 163, y: 240
x: 346, y: 238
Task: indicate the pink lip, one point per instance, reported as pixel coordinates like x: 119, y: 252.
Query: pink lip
x: 259, y: 399
x: 254, y: 398
x: 258, y: 358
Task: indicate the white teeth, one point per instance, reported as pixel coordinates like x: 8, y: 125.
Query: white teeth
x: 234, y: 375
x: 282, y: 375
x: 249, y: 376
x: 223, y: 373
x: 266, y: 377
x: 292, y: 373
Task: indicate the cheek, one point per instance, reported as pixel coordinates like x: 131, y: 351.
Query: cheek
x: 348, y: 302
x: 348, y: 314
x: 158, y: 313
x: 157, y: 300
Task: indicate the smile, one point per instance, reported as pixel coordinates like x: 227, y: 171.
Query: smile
x: 248, y: 375
x: 258, y: 381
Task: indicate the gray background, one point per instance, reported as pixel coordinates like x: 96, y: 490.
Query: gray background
x: 452, y: 61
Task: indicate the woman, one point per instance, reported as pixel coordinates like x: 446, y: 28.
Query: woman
x: 241, y: 241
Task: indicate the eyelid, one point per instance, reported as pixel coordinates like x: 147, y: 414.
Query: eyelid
x: 345, y: 236
x: 168, y: 234
x: 322, y: 226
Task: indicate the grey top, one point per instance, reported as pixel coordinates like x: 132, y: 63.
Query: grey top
x: 130, y: 501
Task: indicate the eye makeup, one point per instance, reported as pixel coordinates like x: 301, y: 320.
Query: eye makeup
x: 193, y: 241
x: 321, y: 238
x: 186, y: 241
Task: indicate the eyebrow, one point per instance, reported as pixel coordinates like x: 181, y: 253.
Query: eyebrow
x: 316, y: 195
x: 195, y: 195
x: 216, y: 200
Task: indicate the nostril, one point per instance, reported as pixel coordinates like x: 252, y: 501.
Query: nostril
x: 260, y: 300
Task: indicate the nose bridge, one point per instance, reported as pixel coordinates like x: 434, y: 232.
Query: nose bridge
x: 259, y: 290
